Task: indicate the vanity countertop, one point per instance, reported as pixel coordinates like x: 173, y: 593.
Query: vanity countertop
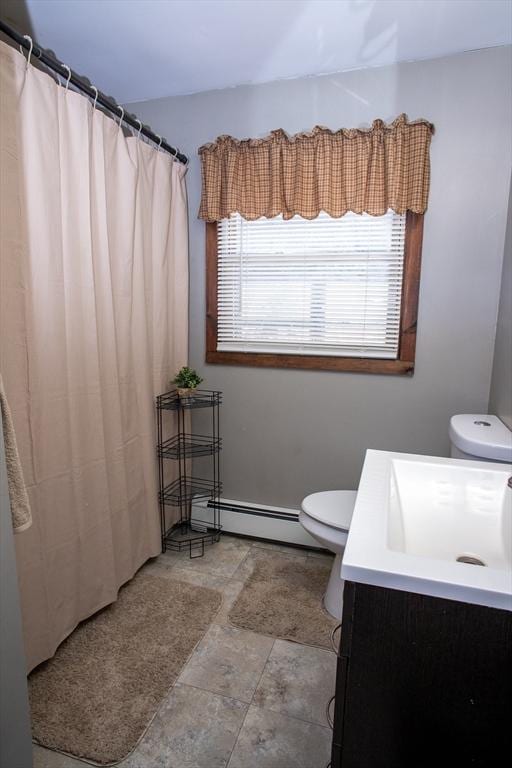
x: 435, y: 526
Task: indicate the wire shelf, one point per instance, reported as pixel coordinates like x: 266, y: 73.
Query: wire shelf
x: 188, y: 489
x: 202, y: 398
x: 191, y: 535
x: 188, y: 445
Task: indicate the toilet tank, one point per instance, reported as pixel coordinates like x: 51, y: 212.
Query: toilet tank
x: 480, y: 437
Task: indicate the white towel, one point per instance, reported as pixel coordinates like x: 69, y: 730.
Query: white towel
x: 20, y: 505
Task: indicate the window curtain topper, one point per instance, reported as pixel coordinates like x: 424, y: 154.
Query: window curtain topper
x: 363, y: 171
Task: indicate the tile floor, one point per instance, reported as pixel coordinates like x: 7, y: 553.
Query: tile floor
x: 243, y: 700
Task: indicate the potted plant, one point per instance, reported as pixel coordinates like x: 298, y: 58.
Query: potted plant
x: 186, y: 381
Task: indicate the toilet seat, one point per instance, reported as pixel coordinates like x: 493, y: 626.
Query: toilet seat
x: 333, y: 508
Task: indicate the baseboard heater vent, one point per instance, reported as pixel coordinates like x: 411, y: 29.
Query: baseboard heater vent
x: 260, y: 521
x: 275, y: 514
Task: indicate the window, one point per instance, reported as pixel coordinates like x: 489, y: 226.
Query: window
x: 339, y: 294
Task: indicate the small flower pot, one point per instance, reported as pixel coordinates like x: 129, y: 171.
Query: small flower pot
x: 185, y: 391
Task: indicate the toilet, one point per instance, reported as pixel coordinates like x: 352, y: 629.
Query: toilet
x: 326, y: 515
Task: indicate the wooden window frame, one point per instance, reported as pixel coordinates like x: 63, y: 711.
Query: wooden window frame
x: 403, y: 365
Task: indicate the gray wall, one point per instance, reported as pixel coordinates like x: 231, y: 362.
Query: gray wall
x: 500, y: 401
x: 288, y: 433
x: 15, y: 735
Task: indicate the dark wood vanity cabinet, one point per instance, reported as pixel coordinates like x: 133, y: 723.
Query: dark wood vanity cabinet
x: 421, y: 681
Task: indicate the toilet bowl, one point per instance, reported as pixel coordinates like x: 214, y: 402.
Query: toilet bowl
x: 326, y: 516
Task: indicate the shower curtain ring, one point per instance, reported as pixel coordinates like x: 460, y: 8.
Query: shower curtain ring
x: 160, y: 142
x: 65, y: 66
x: 93, y: 88
x: 27, y: 37
x: 140, y: 128
x: 122, y: 116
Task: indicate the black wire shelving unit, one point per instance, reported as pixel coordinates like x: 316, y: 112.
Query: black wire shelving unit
x: 187, y: 532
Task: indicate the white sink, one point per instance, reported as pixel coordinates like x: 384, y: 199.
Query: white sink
x: 440, y: 527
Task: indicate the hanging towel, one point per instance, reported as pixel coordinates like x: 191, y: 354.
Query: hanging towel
x: 20, y: 505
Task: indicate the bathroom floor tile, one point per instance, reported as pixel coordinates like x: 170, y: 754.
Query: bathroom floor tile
x: 221, y: 559
x: 271, y: 740
x: 228, y: 661
x: 182, y: 572
x: 230, y: 592
x: 47, y: 758
x: 193, y: 729
x: 298, y: 680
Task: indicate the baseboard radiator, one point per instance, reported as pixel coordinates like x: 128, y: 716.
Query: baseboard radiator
x: 260, y: 521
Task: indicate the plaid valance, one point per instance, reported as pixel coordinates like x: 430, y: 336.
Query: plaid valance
x: 364, y: 171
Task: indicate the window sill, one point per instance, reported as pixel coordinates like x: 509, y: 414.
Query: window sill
x: 313, y: 362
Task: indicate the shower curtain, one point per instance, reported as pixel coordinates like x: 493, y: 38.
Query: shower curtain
x: 93, y: 318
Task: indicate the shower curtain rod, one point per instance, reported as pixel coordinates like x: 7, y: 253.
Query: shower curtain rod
x: 50, y: 61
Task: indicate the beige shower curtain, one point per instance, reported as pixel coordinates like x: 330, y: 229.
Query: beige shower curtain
x: 94, y: 293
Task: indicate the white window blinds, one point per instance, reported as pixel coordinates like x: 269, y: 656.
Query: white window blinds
x: 321, y: 287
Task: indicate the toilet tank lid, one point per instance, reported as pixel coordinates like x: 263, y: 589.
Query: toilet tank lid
x: 481, y: 435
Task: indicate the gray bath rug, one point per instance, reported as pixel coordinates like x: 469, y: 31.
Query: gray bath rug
x: 96, y: 697
x: 283, y: 598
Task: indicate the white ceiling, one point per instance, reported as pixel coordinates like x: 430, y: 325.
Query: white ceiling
x: 146, y: 49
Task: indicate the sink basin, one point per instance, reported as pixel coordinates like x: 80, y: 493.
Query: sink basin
x: 448, y: 511
x: 436, y: 526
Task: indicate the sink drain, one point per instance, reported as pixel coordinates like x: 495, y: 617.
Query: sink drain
x: 470, y: 560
